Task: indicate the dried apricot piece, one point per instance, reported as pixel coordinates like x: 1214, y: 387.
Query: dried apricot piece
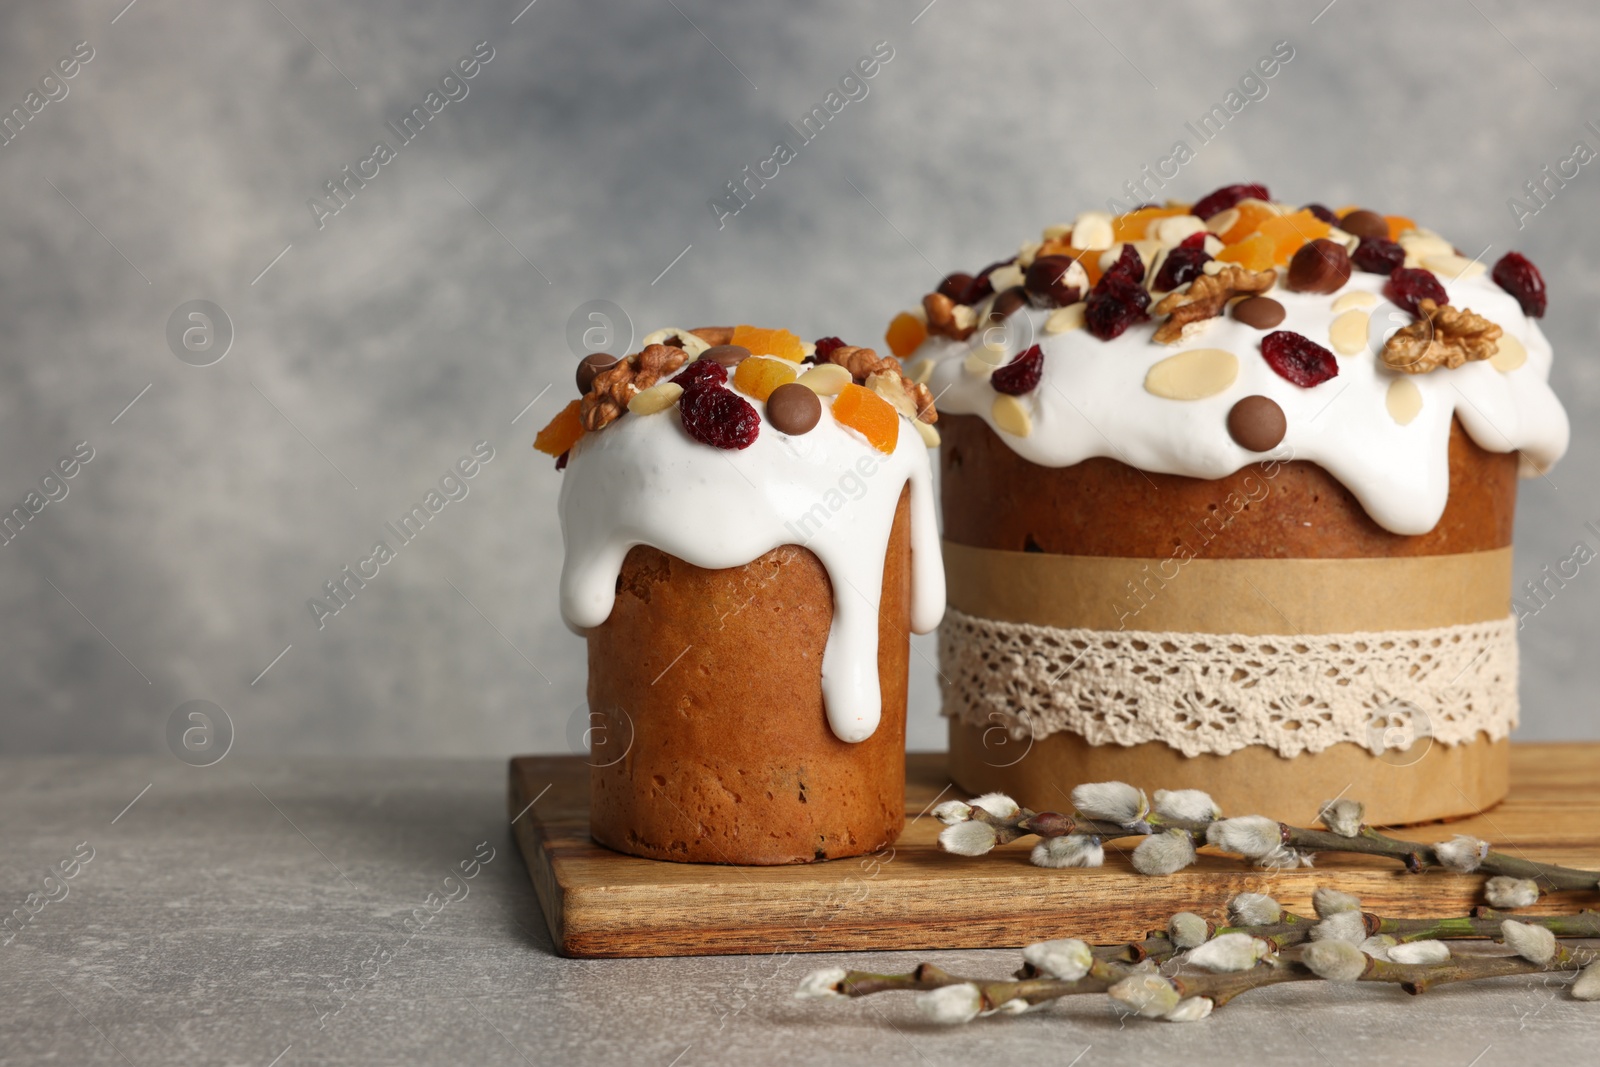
x: 780, y: 343
x: 868, y: 414
x: 1252, y: 213
x: 1398, y: 224
x: 1132, y: 226
x: 1252, y: 253
x: 905, y: 334
x: 758, y: 376
x: 562, y: 432
x: 1289, y: 232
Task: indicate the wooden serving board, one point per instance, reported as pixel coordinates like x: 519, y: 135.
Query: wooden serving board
x: 601, y: 903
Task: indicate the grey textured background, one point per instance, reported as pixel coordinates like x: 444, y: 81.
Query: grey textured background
x: 377, y: 350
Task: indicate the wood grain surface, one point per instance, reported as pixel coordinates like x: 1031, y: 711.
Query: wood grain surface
x: 599, y: 903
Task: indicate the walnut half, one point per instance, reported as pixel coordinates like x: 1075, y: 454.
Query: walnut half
x: 1205, y: 298
x: 1442, y: 336
x: 613, y: 387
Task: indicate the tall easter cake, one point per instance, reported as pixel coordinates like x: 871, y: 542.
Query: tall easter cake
x: 1228, y: 493
x: 750, y: 541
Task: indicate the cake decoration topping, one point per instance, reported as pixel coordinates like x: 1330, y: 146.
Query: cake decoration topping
x: 658, y: 398
x: 946, y: 318
x: 1205, y: 298
x: 562, y: 432
x: 905, y: 334
x: 1056, y: 281
x: 1517, y: 276
x: 1261, y: 312
x: 825, y: 379
x: 1257, y: 423
x: 703, y: 372
x: 1063, y: 319
x: 793, y: 409
x: 958, y: 287
x: 1403, y: 400
x: 1236, y: 277
x: 758, y: 376
x: 1008, y: 303
x: 613, y: 387
x: 1355, y: 298
x: 727, y: 356
x: 1193, y: 375
x: 1378, y: 255
x: 867, y: 413
x: 1298, y: 359
x: 1228, y: 196
x: 1349, y: 331
x: 1509, y: 354
x: 1182, y: 264
x: 1021, y: 375
x: 1118, y: 300
x: 1365, y: 224
x: 1443, y: 336
x: 718, y: 417
x: 592, y: 365
x: 1010, y: 415
x: 760, y: 342
x: 822, y: 348
x: 1409, y: 286
x: 1320, y: 266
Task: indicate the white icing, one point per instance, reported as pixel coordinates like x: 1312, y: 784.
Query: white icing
x: 1091, y: 401
x: 643, y: 481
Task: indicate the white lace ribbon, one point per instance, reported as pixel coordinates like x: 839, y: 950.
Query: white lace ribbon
x: 1216, y: 693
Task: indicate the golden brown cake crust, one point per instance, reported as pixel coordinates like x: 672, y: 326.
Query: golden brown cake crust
x: 732, y: 759
x: 993, y: 498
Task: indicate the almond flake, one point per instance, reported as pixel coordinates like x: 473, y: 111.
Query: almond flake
x: 1010, y: 416
x: 1404, y: 400
x: 1356, y: 298
x: 658, y: 397
x: 1063, y: 320
x: 1348, y: 333
x: 1193, y: 375
x: 1509, y: 356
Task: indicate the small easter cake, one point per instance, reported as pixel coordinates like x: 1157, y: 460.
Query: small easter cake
x: 750, y: 541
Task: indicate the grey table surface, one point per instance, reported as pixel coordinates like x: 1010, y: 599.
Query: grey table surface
x: 261, y: 913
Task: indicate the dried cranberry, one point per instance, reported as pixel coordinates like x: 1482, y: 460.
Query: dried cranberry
x: 1128, y: 265
x: 957, y: 287
x: 1408, y: 285
x: 1114, y: 305
x: 1228, y: 196
x: 1194, y: 240
x: 1320, y: 212
x: 1117, y: 300
x: 1046, y: 282
x: 717, y: 417
x: 1181, y: 265
x: 702, y: 372
x: 1021, y: 375
x: 1522, y: 280
x: 1378, y: 255
x: 561, y: 460
x: 825, y: 347
x: 1298, y: 359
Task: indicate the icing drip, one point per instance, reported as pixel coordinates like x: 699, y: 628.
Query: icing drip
x: 643, y: 481
x: 1092, y: 401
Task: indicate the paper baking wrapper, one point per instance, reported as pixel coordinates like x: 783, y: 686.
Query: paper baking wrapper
x: 1305, y: 599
